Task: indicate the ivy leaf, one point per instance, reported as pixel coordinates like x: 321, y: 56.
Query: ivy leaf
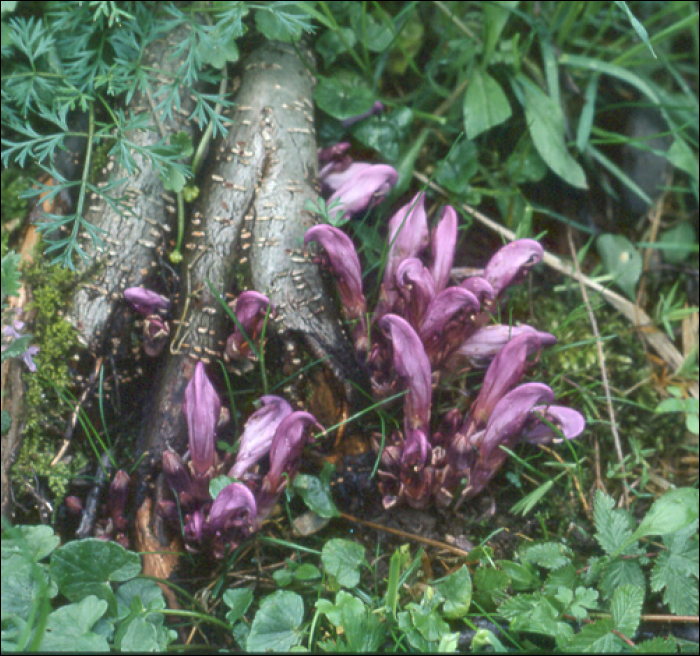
x: 32, y: 542
x: 276, y: 626
x: 86, y: 567
x: 485, y: 104
x: 343, y: 96
x: 343, y: 559
x: 69, y: 628
x: 457, y: 591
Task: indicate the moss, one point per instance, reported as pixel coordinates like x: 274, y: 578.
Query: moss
x: 46, y: 414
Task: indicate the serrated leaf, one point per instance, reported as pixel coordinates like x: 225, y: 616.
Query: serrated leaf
x: 620, y: 572
x: 86, y: 567
x: 69, y: 628
x: 613, y: 527
x: 676, y: 570
x: 457, y: 590
x: 621, y: 260
x: 343, y: 559
x: 657, y: 645
x: 550, y: 555
x: 522, y: 577
x: 277, y: 624
x: 626, y: 608
x: 485, y: 104
x: 596, y: 638
x: 546, y: 125
x: 673, y: 512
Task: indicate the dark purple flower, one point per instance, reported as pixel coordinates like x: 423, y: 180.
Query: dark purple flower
x: 448, y: 320
x: 178, y: 477
x: 234, y: 507
x: 443, y: 244
x: 250, y: 308
x: 259, y: 432
x: 360, y: 186
x: 194, y: 528
x: 156, y: 332
x: 341, y: 258
x: 511, y: 263
x: 144, y: 301
x: 118, y: 493
x: 202, y: 407
x: 411, y: 363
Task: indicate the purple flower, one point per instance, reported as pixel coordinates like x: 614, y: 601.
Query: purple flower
x: 250, y: 308
x: 481, y: 346
x: 259, y: 432
x: 448, y: 320
x: 144, y: 301
x: 417, y: 288
x: 443, y: 244
x: 233, y: 508
x: 28, y: 355
x: 411, y: 363
x: 482, y: 289
x: 377, y: 108
x: 360, y: 186
x: 341, y: 258
x: 569, y: 422
x: 118, y: 493
x: 202, y: 407
x: 156, y: 332
x: 12, y: 332
x: 511, y: 263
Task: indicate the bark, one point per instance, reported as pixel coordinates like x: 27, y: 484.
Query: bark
x: 133, y: 239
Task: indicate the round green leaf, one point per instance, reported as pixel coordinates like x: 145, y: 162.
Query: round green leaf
x: 343, y: 559
x: 621, y: 260
x: 343, y: 96
x: 277, y: 624
x: 485, y: 104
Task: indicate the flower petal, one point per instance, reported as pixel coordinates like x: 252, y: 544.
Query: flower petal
x: 570, y: 422
x: 287, y: 445
x: 343, y: 261
x: 511, y: 263
x: 233, y: 507
x: 258, y: 433
x: 144, y: 301
x: 417, y: 287
x: 360, y: 187
x: 250, y: 308
x: 443, y: 247
x: 486, y: 342
x: 202, y: 407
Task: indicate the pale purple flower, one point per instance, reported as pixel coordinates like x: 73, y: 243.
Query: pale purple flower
x: 12, y: 332
x: 482, y: 289
x: 341, y: 257
x: 443, y: 242
x: 259, y: 432
x: 359, y: 187
x: 570, y: 424
x: 416, y: 286
x: 202, y: 407
x: 28, y: 355
x: 511, y: 263
x: 144, y: 301
x: 481, y: 346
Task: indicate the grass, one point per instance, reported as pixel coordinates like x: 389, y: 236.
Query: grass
x: 505, y: 111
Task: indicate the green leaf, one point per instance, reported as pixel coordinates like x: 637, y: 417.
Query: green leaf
x: 334, y: 43
x: 32, y: 542
x: 596, y: 638
x: 343, y: 559
x: 343, y: 96
x: 10, y: 274
x: 386, y: 134
x: 681, y: 240
x: 86, y: 567
x: 5, y: 421
x: 613, y: 527
x: 148, y: 593
x: 316, y: 495
x: 638, y: 27
x: 496, y: 15
x: 621, y: 260
x: 458, y: 168
x: 375, y: 36
x: 673, y: 512
x: 681, y: 155
x: 361, y: 628
x: 525, y: 164
x: 620, y: 572
x: 282, y: 21
x: 626, y: 608
x: 277, y: 624
x: 657, y: 645
x: 546, y: 124
x: 522, y: 577
x: 485, y: 104
x: 457, y: 590
x: 219, y: 483
x: 218, y: 52
x: 550, y: 555
x: 69, y: 628
x: 21, y: 583
x: 238, y: 601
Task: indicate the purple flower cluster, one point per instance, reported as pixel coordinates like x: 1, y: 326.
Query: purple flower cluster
x: 275, y: 431
x: 422, y: 327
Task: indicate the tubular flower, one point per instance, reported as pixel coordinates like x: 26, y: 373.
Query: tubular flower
x: 511, y: 262
x: 144, y: 301
x: 233, y: 508
x: 443, y: 244
x: 250, y: 308
x: 341, y: 258
x: 360, y: 186
x: 202, y: 407
x: 417, y: 288
x: 259, y: 432
x: 484, y: 344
